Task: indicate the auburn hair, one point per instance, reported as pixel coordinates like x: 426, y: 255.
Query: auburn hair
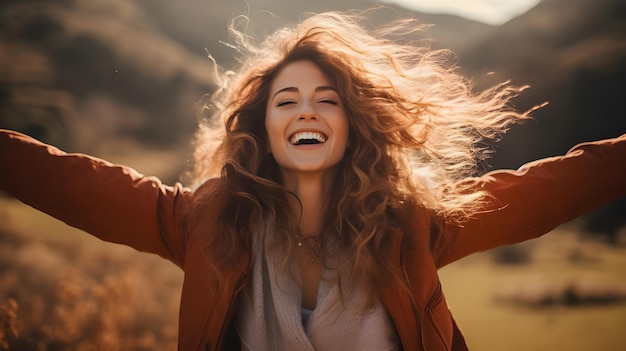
x: 416, y: 128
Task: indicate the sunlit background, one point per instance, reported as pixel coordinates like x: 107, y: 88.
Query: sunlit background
x: 121, y: 79
x: 494, y: 12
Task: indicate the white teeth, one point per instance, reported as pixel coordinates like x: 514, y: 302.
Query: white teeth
x: 307, y: 135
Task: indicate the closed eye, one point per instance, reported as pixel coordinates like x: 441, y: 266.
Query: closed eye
x: 329, y: 101
x: 285, y: 102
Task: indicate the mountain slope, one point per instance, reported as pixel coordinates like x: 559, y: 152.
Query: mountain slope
x: 573, y: 55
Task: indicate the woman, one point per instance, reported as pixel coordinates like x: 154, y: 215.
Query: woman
x: 342, y: 183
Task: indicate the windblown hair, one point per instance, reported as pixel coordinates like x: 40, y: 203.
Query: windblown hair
x: 416, y: 128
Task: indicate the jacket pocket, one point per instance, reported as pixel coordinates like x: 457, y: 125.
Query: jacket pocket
x: 438, y: 326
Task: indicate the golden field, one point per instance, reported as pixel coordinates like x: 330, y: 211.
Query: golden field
x: 63, y: 290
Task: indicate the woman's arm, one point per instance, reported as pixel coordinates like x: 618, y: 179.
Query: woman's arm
x: 538, y: 197
x: 112, y: 202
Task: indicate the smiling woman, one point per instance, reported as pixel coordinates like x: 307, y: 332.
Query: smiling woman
x: 307, y: 130
x: 306, y: 122
x: 343, y: 178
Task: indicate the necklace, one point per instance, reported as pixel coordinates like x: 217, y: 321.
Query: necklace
x: 313, y: 243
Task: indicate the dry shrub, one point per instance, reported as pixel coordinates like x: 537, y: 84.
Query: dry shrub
x: 8, y: 323
x: 66, y: 295
x: 540, y: 291
x: 512, y: 254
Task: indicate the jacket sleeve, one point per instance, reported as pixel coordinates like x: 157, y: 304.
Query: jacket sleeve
x: 112, y: 202
x: 538, y: 197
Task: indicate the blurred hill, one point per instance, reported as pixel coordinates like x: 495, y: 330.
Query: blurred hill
x: 77, y: 72
x: 573, y: 54
x: 123, y: 77
x: 199, y: 24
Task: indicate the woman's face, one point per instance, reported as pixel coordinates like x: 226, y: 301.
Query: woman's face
x: 305, y: 119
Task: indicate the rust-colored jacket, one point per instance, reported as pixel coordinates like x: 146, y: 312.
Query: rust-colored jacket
x: 119, y: 205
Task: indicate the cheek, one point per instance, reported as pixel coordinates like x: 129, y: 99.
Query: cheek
x: 273, y: 142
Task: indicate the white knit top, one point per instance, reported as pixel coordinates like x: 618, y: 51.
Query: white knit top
x: 269, y: 315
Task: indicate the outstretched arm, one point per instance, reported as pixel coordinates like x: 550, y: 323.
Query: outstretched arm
x: 112, y: 202
x: 538, y: 197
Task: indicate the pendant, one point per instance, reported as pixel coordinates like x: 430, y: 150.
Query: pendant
x: 312, y: 259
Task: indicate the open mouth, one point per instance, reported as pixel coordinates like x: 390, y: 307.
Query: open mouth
x: 307, y: 138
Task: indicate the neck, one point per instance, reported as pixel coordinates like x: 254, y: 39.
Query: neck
x: 313, y: 190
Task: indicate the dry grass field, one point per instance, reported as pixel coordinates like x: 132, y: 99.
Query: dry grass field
x: 570, y: 294
x: 63, y: 290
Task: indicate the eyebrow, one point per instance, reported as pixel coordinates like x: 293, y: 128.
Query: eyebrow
x: 294, y: 89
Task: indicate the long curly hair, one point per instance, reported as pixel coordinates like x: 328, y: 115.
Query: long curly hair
x: 416, y: 130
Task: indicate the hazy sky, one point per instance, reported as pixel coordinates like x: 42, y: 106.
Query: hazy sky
x: 494, y: 12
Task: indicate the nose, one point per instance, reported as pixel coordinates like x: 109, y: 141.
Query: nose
x: 307, y: 114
